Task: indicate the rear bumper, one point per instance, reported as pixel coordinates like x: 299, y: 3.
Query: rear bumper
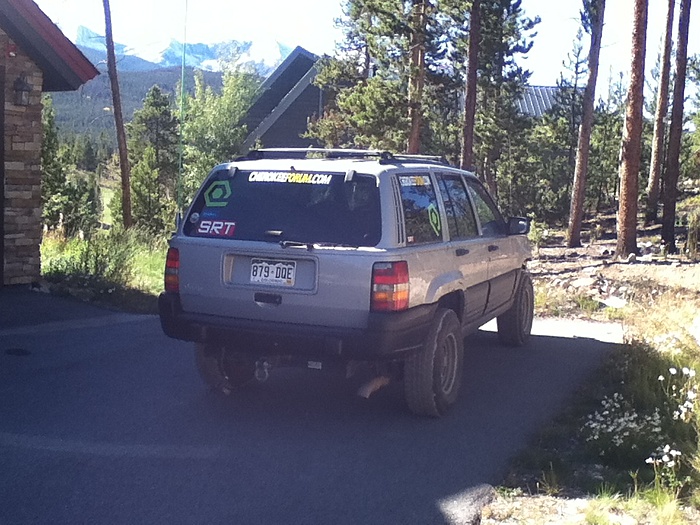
x: 387, y: 335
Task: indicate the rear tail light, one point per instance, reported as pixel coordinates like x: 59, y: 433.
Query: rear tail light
x: 390, y: 286
x: 172, y: 271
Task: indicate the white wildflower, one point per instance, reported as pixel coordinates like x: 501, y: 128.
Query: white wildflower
x: 673, y: 371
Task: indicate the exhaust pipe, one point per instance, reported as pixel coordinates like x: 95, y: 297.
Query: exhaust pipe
x: 372, y: 386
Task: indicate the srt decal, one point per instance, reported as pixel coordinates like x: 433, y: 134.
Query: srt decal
x: 217, y: 228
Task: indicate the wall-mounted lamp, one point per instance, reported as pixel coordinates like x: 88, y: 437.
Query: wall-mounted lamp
x: 22, y: 90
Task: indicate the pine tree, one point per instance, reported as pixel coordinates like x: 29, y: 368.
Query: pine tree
x: 156, y: 126
x: 593, y: 16
x: 398, y: 57
x: 506, y: 34
x: 657, y: 152
x: 53, y: 177
x: 118, y: 118
x: 632, y: 138
x: 147, y: 202
x: 675, y: 133
x: 467, y: 154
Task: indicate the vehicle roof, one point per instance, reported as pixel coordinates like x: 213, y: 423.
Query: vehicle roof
x: 370, y: 166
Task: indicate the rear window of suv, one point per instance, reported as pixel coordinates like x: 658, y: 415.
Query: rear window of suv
x: 305, y: 207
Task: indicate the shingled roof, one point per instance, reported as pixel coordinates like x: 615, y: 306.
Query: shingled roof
x: 64, y: 67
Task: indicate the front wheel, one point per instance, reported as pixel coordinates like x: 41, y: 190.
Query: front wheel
x: 221, y: 369
x: 515, y: 325
x: 433, y: 376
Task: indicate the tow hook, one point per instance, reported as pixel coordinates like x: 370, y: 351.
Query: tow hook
x: 262, y: 370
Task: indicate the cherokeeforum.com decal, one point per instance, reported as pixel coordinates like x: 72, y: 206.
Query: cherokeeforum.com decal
x: 290, y: 178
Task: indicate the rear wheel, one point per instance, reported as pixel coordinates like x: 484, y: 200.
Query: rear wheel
x: 223, y: 370
x: 433, y: 376
x: 515, y: 325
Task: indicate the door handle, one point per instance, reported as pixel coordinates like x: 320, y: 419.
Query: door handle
x: 493, y: 248
x: 461, y: 251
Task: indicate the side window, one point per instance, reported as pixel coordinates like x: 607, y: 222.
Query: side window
x: 420, y: 209
x: 492, y: 222
x: 460, y: 216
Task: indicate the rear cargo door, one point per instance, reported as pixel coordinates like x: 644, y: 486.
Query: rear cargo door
x: 285, y: 247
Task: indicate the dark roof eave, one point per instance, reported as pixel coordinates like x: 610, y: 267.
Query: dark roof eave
x: 64, y: 67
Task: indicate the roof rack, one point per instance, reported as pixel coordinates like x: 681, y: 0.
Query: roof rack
x: 384, y: 157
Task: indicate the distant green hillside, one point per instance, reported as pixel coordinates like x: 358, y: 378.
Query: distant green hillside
x: 83, y: 111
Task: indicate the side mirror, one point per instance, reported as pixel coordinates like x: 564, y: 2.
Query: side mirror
x: 518, y: 226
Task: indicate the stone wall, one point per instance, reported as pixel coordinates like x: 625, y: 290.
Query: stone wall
x: 23, y: 136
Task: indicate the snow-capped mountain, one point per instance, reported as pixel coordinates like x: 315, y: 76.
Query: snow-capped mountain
x: 263, y: 55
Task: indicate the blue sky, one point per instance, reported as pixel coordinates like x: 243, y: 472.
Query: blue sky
x: 310, y: 24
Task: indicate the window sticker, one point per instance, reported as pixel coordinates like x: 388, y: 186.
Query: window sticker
x: 217, y: 194
x: 217, y: 228
x: 434, y: 218
x: 290, y: 178
x: 415, y: 180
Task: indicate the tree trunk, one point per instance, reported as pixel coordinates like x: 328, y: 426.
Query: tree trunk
x: 118, y: 119
x: 657, y: 151
x: 416, y: 74
x: 467, y: 160
x: 674, y: 138
x: 578, y: 193
x: 632, y: 138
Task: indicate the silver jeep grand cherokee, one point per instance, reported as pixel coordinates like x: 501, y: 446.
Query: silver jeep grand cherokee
x: 322, y: 258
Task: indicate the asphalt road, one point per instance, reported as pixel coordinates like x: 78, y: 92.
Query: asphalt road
x: 104, y: 420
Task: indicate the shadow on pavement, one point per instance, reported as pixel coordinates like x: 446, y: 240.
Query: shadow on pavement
x: 21, y: 306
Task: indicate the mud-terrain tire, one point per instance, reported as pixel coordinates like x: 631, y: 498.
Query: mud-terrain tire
x: 223, y: 371
x: 515, y: 325
x: 433, y: 376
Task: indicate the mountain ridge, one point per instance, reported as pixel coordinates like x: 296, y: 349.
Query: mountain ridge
x: 86, y: 111
x: 263, y: 55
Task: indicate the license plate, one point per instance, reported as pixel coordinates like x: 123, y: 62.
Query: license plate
x: 278, y: 273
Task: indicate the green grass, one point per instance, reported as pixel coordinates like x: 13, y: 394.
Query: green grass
x: 119, y: 269
x: 652, y: 373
